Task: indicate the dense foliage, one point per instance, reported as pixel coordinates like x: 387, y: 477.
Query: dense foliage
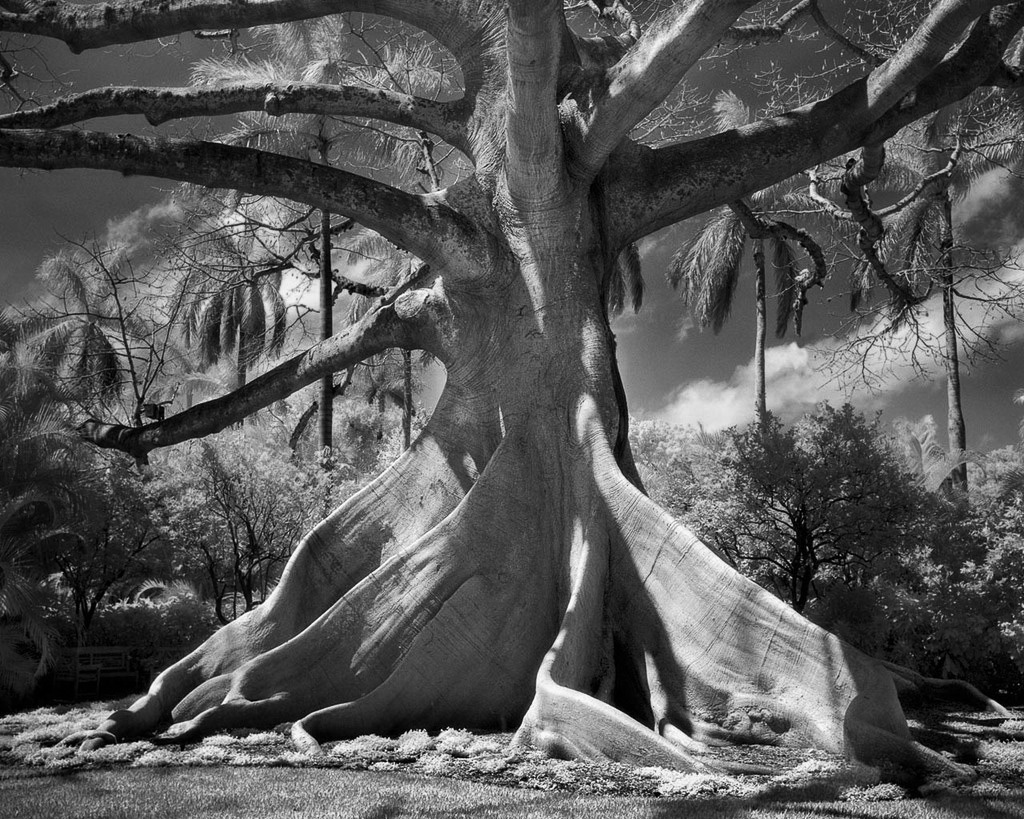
x: 826, y: 514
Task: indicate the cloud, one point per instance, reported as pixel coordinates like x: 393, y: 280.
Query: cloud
x: 794, y: 385
x: 797, y: 378
x: 132, y: 232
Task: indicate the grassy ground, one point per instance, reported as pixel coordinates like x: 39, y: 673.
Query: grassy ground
x: 456, y: 773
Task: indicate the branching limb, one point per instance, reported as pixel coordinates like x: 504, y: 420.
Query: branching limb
x: 648, y: 73
x: 771, y: 33
x: 534, y: 134
x: 399, y: 323
x: 93, y: 25
x: 759, y: 226
x: 919, y: 56
x: 423, y: 224
x: 928, y: 185
x: 841, y: 39
x: 158, y: 105
x: 652, y: 188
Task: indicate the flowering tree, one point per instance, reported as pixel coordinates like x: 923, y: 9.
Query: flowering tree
x: 508, y: 568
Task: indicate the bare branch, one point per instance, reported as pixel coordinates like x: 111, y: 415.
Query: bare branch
x: 158, y: 105
x: 918, y: 57
x: 423, y: 224
x: 837, y: 36
x: 84, y: 26
x: 648, y: 72
x: 390, y: 324
x: 771, y: 33
x: 534, y: 134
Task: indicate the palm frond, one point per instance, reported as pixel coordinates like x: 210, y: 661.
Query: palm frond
x: 783, y: 262
x: 706, y: 269
x: 730, y: 111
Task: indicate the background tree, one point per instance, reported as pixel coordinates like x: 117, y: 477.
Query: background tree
x: 42, y: 482
x: 233, y: 509
x: 706, y: 269
x: 409, y: 599
x: 109, y: 547
x: 915, y: 248
x: 104, y: 330
x: 822, y: 502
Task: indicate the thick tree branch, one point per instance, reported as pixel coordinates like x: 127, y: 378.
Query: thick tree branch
x: 158, y: 105
x: 534, y: 135
x: 648, y: 189
x: 648, y: 72
x: 759, y: 226
x: 770, y: 33
x: 455, y: 23
x: 390, y: 324
x: 918, y: 57
x: 423, y: 224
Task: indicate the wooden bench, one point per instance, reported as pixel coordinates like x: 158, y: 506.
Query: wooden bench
x: 85, y: 669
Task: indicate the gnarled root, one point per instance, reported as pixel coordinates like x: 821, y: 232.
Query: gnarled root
x: 561, y: 597
x: 428, y: 481
x: 912, y: 684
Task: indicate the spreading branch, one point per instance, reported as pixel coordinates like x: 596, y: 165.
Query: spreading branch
x: 94, y: 25
x: 423, y: 224
x: 769, y: 32
x: 923, y: 51
x: 159, y: 105
x: 652, y: 188
x: 648, y: 72
x: 386, y: 326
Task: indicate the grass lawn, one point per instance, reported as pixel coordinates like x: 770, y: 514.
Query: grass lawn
x: 456, y: 773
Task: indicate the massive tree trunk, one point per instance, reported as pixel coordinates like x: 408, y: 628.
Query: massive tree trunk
x: 505, y: 570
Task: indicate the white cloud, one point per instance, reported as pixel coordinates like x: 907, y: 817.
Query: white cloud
x: 794, y: 385
x: 796, y: 378
x: 132, y: 231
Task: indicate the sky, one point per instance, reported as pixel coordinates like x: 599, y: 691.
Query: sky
x: 672, y: 370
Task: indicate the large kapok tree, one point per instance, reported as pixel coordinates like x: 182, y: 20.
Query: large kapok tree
x: 508, y: 570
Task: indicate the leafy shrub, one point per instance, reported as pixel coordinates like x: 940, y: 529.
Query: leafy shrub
x: 180, y: 620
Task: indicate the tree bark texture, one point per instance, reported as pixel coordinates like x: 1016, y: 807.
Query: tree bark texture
x: 505, y: 570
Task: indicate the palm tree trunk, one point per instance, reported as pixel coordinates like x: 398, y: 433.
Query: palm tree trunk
x: 326, y: 331
x: 760, y: 333
x: 954, y: 411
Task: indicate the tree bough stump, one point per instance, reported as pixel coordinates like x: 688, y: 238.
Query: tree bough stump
x: 507, y: 570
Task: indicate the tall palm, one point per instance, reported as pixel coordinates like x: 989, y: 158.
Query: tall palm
x: 706, y: 269
x: 919, y: 244
x: 241, y: 318
x: 314, y: 52
x: 389, y: 376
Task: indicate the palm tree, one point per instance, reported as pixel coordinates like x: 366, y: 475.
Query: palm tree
x: 313, y: 52
x: 233, y: 319
x: 706, y: 269
x: 935, y: 164
x: 934, y: 467
x: 42, y: 479
x: 102, y: 330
